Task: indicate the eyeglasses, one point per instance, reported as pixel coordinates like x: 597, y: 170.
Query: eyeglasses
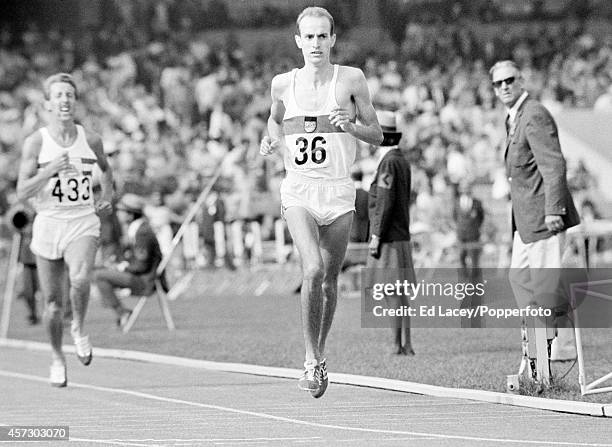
x: 508, y: 81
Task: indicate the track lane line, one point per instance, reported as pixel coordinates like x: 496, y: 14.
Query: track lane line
x: 297, y: 421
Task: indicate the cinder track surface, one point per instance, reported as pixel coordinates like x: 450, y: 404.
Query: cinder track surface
x: 121, y: 402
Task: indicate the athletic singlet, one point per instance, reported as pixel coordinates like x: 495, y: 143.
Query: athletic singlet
x: 316, y: 148
x: 67, y: 195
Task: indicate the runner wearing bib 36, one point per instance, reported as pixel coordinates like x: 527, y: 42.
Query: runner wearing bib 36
x: 317, y: 113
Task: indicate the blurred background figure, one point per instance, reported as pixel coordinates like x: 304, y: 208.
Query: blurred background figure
x: 109, y: 246
x: 21, y: 218
x: 469, y: 216
x: 142, y: 255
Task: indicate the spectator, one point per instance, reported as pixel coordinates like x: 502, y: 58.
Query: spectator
x: 389, y: 212
x: 21, y: 218
x: 604, y: 102
x: 469, y: 216
x: 143, y: 255
x: 360, y: 225
x: 542, y: 205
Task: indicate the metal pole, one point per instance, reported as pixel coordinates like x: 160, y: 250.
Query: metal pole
x: 9, y: 289
x: 190, y: 215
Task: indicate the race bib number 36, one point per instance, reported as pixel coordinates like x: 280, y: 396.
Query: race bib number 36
x: 71, y: 191
x: 310, y: 152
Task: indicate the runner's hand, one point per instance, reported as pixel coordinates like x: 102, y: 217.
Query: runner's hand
x: 103, y: 208
x: 341, y: 118
x: 59, y: 164
x: 268, y: 146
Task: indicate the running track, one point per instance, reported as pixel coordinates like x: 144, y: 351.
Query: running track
x: 129, y: 403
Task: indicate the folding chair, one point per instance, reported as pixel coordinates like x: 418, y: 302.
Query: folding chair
x: 162, y: 298
x: 159, y: 288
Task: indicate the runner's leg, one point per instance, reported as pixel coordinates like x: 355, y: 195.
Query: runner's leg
x: 51, y: 280
x: 305, y: 233
x: 334, y: 240
x: 80, y: 257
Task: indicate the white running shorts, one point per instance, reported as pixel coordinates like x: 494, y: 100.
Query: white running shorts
x: 324, y: 199
x: 51, y: 236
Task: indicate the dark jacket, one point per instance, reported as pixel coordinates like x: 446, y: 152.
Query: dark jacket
x: 469, y: 221
x: 144, y: 255
x: 389, y: 198
x: 537, y: 173
x: 361, y: 223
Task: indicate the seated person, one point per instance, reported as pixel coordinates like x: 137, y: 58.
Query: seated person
x: 142, y: 256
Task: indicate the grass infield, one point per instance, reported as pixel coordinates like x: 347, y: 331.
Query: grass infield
x: 253, y: 317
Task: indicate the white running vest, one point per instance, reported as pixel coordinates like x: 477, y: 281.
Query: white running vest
x: 316, y: 148
x: 67, y: 195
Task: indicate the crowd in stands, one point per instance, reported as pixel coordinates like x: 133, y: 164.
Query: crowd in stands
x: 171, y: 107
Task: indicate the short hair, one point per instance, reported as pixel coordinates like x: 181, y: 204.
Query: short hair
x: 54, y: 79
x: 314, y: 11
x: 504, y: 63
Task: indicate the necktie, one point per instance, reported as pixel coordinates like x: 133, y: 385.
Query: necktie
x: 507, y: 122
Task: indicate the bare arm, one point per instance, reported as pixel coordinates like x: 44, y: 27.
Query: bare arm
x: 275, y: 139
x: 367, y: 128
x: 31, y: 179
x: 277, y: 110
x: 106, y: 180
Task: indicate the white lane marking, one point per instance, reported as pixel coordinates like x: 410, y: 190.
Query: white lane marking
x: 305, y: 439
x: 73, y: 439
x: 298, y: 421
x: 108, y: 442
x: 456, y: 394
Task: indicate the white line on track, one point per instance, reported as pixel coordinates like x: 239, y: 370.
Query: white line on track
x: 297, y: 421
x: 305, y: 439
x: 108, y: 442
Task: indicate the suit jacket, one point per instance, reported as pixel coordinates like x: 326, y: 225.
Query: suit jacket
x: 537, y: 173
x: 389, y: 198
x: 469, y: 221
x: 144, y: 254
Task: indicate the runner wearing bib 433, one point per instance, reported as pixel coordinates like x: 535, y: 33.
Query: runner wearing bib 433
x: 55, y: 172
x: 65, y: 206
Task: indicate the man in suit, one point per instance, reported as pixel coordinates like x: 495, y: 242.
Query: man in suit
x: 468, y: 214
x: 142, y: 255
x: 389, y: 211
x: 542, y: 205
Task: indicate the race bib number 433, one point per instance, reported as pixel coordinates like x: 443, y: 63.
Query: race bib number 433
x: 71, y: 191
x: 310, y: 152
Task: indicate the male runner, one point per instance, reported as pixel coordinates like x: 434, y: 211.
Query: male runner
x: 317, y: 113
x: 56, y: 171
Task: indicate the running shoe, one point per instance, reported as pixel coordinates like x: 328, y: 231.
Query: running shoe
x: 323, y: 381
x: 311, y: 378
x: 57, y: 376
x: 83, y: 349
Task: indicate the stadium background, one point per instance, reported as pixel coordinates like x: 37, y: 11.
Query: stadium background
x: 175, y: 87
